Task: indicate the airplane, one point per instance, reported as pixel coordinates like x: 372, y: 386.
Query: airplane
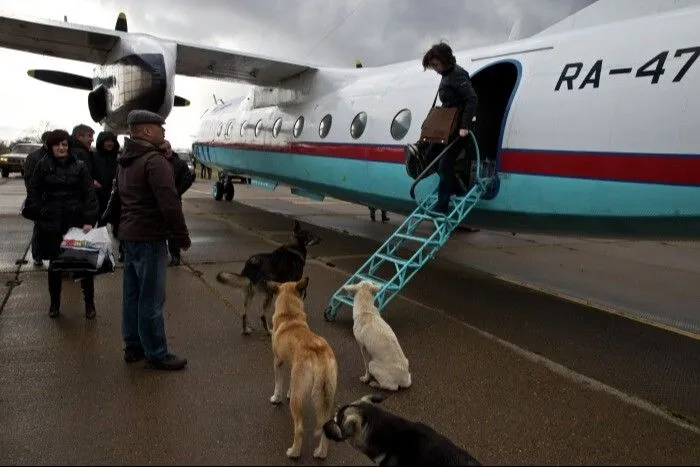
x: 590, y: 124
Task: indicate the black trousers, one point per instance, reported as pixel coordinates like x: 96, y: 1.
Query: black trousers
x: 56, y: 282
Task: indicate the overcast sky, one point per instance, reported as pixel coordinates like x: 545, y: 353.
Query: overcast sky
x: 324, y: 32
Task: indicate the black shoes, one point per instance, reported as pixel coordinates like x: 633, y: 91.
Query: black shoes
x: 133, y: 355
x: 169, y: 363
x: 90, y: 312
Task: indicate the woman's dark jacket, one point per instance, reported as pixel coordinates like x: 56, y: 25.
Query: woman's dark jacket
x: 61, y: 195
x: 456, y: 90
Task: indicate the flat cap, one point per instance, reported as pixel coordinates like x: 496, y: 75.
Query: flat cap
x: 137, y: 117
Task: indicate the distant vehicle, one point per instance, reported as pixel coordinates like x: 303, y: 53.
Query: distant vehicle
x: 187, y: 157
x: 13, y: 161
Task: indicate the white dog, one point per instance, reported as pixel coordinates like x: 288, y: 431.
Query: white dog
x: 382, y: 355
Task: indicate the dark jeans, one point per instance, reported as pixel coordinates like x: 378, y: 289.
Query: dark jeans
x: 446, y: 172
x: 36, y: 248
x: 143, y: 326
x: 56, y: 282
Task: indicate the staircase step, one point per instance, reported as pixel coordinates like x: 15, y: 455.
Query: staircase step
x: 392, y: 259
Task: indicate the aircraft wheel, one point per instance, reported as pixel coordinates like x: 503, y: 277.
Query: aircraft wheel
x: 229, y: 190
x: 218, y: 191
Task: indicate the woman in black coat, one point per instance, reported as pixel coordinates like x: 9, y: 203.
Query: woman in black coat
x: 61, y: 195
x: 455, y: 90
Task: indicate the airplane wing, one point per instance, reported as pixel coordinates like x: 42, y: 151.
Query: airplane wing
x: 213, y: 63
x: 57, y: 39
x: 90, y: 44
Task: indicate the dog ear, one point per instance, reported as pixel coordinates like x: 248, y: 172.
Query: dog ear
x: 373, y: 398
x: 272, y: 286
x: 297, y: 227
x: 374, y: 287
x: 302, y: 285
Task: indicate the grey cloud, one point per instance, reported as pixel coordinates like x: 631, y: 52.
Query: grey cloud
x: 378, y: 31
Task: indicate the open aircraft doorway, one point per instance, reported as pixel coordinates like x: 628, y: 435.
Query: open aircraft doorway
x: 495, y: 85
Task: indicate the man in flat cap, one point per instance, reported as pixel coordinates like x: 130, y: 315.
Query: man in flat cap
x: 150, y: 212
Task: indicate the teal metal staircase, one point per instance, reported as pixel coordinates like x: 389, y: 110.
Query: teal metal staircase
x: 388, y: 254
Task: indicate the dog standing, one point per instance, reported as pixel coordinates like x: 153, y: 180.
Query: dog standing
x: 314, y: 369
x: 381, y: 353
x: 285, y: 264
x: 388, y: 439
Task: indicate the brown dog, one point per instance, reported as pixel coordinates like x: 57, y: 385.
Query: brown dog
x: 314, y: 370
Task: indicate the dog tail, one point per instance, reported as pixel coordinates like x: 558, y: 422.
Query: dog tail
x: 324, y: 389
x: 232, y: 279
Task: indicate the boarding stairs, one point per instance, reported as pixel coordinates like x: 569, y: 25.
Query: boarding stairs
x: 427, y: 244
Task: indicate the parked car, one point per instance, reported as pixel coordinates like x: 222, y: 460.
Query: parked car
x: 187, y: 157
x: 13, y: 161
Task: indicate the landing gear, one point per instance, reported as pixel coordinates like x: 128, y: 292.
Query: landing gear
x: 218, y: 191
x: 224, y: 188
x: 229, y: 190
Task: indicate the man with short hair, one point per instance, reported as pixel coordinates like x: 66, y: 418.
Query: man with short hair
x: 150, y: 212
x: 80, y: 144
x: 183, y: 181
x: 30, y: 163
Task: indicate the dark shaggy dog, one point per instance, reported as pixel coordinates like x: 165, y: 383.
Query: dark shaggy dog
x: 285, y: 264
x: 388, y: 439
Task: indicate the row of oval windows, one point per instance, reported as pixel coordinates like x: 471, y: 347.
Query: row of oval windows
x: 400, y: 125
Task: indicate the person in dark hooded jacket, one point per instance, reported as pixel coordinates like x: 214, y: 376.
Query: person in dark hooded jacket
x: 29, y: 165
x: 183, y: 181
x: 104, y: 163
x: 61, y: 195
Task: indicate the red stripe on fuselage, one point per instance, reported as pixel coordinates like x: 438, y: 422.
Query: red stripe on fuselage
x: 641, y: 168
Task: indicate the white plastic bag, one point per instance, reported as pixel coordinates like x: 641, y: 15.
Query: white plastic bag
x: 96, y: 239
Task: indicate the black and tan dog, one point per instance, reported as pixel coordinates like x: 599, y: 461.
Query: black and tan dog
x: 285, y: 264
x: 388, y: 439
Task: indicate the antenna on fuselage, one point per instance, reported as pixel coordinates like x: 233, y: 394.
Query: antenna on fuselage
x: 121, y: 23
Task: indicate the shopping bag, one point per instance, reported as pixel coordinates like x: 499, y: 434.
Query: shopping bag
x: 89, y: 253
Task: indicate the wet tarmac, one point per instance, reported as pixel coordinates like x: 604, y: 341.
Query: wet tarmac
x: 513, y: 375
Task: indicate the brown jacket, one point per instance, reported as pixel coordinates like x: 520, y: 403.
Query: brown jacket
x: 150, y: 206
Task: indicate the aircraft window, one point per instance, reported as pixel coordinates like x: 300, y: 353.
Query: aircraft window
x: 401, y: 124
x: 325, y: 126
x: 277, y: 127
x: 219, y: 128
x: 357, y: 127
x: 298, y: 126
x: 243, y: 127
x: 229, y: 127
x: 258, y: 128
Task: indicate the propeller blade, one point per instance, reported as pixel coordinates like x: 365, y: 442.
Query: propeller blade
x: 180, y: 102
x: 62, y: 78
